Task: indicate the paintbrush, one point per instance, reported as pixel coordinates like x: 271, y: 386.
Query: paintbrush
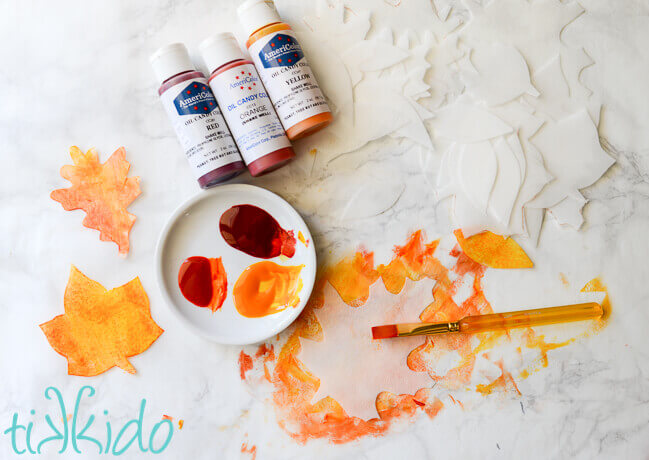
x: 494, y: 321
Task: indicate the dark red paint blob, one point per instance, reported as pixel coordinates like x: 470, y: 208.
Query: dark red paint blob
x: 252, y: 230
x: 203, y: 281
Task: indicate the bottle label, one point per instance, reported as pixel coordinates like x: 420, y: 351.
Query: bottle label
x: 200, y: 126
x: 288, y: 78
x: 249, y: 112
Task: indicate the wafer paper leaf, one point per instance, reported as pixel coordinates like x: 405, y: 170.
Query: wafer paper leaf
x: 103, y: 191
x: 494, y: 250
x: 100, y: 328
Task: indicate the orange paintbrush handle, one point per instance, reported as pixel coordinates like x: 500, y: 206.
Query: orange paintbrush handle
x: 527, y: 318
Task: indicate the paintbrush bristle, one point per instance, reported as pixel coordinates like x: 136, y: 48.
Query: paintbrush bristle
x: 385, y: 332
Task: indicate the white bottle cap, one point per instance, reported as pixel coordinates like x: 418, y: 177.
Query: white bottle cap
x: 170, y: 60
x: 220, y: 49
x: 255, y: 14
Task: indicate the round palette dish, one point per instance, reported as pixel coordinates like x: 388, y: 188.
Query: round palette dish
x: 193, y: 230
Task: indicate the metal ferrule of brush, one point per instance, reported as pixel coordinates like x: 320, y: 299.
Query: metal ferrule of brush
x: 433, y: 328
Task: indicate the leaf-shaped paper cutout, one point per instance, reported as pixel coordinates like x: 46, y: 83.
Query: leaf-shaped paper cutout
x: 568, y: 211
x: 465, y: 122
x: 103, y: 191
x: 100, y: 328
x: 501, y: 74
x: 573, y: 154
x: 477, y: 173
x: 507, y: 184
x: 493, y: 250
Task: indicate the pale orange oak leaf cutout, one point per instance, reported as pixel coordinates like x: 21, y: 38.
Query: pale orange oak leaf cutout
x: 100, y: 328
x: 103, y: 191
x: 493, y: 250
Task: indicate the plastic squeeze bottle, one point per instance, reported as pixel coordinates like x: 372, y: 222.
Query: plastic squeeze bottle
x: 195, y: 116
x: 284, y: 70
x: 245, y: 104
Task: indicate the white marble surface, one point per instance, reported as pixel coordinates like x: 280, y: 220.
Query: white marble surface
x: 77, y: 73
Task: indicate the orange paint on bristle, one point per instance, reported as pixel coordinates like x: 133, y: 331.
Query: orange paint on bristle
x: 384, y: 332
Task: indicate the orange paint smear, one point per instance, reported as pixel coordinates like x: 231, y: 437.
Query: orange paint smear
x: 265, y: 288
x: 564, y: 279
x: 168, y: 417
x: 245, y: 364
x: 303, y: 240
x: 181, y: 423
x: 596, y: 285
x: 505, y: 383
x: 352, y: 277
x: 249, y: 450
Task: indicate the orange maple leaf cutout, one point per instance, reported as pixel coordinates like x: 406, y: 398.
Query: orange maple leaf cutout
x: 100, y: 328
x: 493, y: 250
x: 103, y: 191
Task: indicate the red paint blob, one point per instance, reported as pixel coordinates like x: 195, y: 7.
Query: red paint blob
x: 252, y: 230
x: 203, y: 282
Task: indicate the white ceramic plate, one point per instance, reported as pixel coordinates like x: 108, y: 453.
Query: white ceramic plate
x: 193, y: 230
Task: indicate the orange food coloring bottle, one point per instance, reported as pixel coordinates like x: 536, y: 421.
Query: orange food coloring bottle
x: 284, y: 70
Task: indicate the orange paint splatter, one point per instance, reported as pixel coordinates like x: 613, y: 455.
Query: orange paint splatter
x: 249, y: 450
x: 168, y: 417
x: 564, y: 279
x: 493, y: 250
x: 505, y: 383
x: 245, y: 364
x: 596, y: 285
x: 303, y: 240
x: 414, y: 260
x: 295, y: 385
x: 455, y: 401
x: 181, y: 423
x: 265, y: 288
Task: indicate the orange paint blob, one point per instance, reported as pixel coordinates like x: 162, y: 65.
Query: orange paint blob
x: 203, y: 282
x: 265, y: 288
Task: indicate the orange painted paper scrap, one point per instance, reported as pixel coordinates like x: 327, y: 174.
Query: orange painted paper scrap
x: 100, y: 328
x: 103, y: 191
x: 493, y: 250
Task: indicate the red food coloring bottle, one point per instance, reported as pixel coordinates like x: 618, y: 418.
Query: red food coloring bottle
x: 196, y: 117
x: 246, y: 106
